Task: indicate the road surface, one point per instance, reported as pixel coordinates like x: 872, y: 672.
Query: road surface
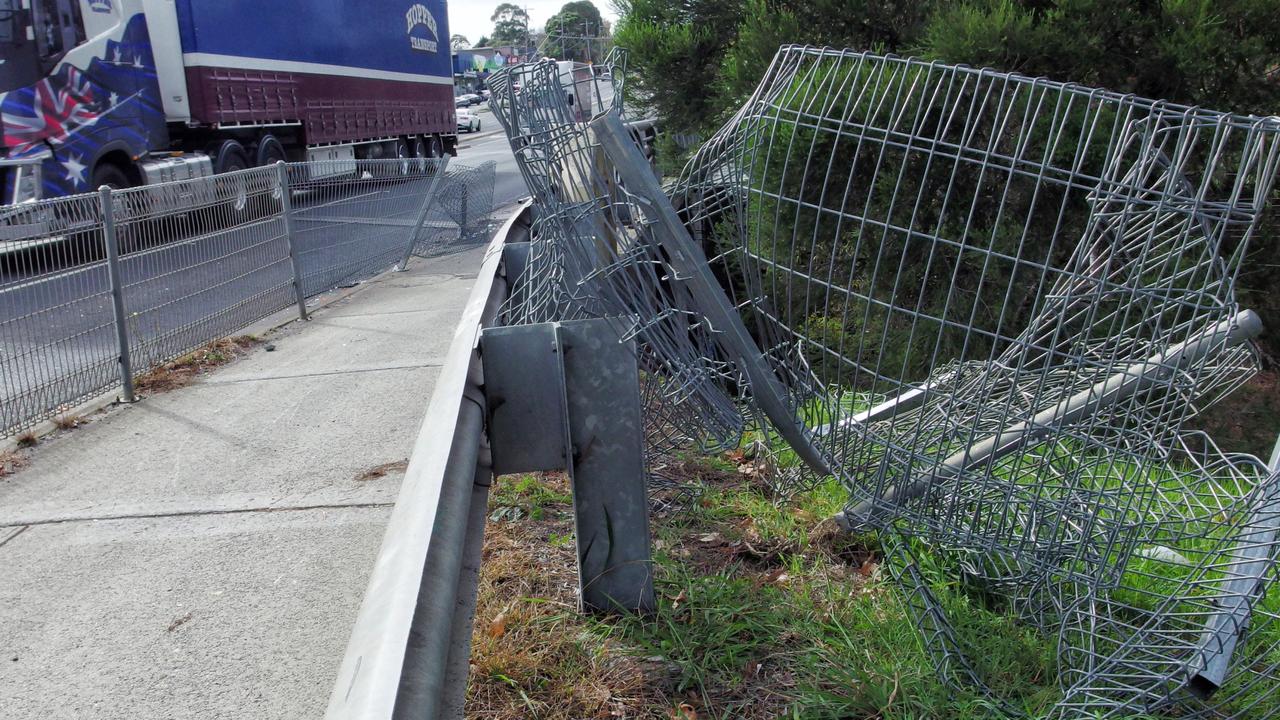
x: 57, y: 333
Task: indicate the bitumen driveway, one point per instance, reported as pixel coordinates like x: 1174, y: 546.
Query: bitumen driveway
x: 202, y: 553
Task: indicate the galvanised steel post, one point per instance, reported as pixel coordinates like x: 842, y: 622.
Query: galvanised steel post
x: 426, y: 207
x: 286, y: 212
x: 112, y: 241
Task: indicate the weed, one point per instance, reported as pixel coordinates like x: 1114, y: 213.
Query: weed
x: 184, y: 370
x: 537, y: 497
x: 11, y: 462
x: 26, y: 439
x: 68, y: 422
x: 378, y: 471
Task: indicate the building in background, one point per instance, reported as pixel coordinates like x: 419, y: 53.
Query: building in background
x: 473, y: 66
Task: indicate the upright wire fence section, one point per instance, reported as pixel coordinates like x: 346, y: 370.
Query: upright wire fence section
x: 126, y: 280
x: 990, y: 304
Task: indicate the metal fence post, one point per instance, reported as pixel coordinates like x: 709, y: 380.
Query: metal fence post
x: 422, y: 214
x: 286, y: 213
x: 464, y: 224
x: 112, y: 241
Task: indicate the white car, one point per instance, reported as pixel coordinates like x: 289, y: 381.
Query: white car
x: 468, y: 121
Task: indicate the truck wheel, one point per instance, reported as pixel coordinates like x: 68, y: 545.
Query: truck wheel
x: 419, y: 155
x: 110, y: 175
x: 435, y: 147
x: 402, y: 157
x: 270, y: 151
x: 132, y: 227
x: 230, y: 157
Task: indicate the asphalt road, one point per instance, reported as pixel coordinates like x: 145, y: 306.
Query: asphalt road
x: 57, y: 334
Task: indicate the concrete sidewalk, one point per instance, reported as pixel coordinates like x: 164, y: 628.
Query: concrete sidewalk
x: 202, y: 553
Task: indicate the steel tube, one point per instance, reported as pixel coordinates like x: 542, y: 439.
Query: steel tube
x: 1118, y: 387
x: 112, y: 241
x: 422, y: 212
x: 691, y: 264
x: 286, y: 213
x: 1240, y: 591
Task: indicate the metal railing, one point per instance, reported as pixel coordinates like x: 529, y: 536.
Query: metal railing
x: 411, y: 642
x: 97, y: 288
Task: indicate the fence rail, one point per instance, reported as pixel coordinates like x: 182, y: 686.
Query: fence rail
x: 99, y: 287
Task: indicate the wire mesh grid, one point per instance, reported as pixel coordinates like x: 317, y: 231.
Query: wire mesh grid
x: 200, y: 260
x: 197, y: 260
x: 352, y: 219
x: 589, y: 258
x: 993, y: 302
x: 57, y: 339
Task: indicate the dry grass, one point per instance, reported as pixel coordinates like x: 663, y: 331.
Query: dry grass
x: 26, y: 439
x: 11, y: 462
x: 378, y: 471
x: 765, y: 610
x: 533, y: 654
x: 183, y: 371
x: 68, y: 422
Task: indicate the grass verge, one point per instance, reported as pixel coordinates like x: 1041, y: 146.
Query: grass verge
x: 765, y: 611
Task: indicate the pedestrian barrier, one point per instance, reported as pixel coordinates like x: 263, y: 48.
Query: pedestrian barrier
x: 96, y: 289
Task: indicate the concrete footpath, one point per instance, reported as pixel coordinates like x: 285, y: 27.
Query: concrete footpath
x: 202, y: 553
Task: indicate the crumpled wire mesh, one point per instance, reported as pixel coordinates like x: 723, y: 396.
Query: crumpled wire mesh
x: 993, y: 301
x: 996, y: 300
x: 589, y: 258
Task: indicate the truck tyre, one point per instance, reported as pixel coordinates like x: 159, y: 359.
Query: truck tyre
x: 229, y: 156
x: 131, y: 227
x: 401, y: 154
x: 270, y: 151
x: 419, y: 155
x: 111, y: 175
x: 435, y: 147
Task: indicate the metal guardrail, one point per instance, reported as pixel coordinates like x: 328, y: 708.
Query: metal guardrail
x: 96, y: 288
x: 408, y: 652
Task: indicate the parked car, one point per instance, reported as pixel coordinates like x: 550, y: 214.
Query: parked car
x: 468, y: 121
x: 470, y: 99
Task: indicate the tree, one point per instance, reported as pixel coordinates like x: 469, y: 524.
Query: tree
x: 576, y: 32
x: 510, y: 25
x: 693, y: 62
x: 459, y: 42
x: 482, y: 42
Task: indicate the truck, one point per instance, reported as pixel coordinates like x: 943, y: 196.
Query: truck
x: 135, y: 92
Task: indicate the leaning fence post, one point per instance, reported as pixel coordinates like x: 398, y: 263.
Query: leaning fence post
x: 464, y: 229
x: 112, y: 241
x: 426, y: 207
x: 286, y: 213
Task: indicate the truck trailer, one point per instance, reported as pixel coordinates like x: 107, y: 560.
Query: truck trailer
x: 135, y: 92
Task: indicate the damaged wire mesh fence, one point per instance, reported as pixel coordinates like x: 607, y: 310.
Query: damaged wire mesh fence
x: 989, y: 305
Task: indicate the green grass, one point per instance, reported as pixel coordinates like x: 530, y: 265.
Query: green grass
x: 768, y: 611
x: 526, y: 496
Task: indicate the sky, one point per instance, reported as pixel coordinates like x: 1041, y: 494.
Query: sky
x: 471, y: 18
